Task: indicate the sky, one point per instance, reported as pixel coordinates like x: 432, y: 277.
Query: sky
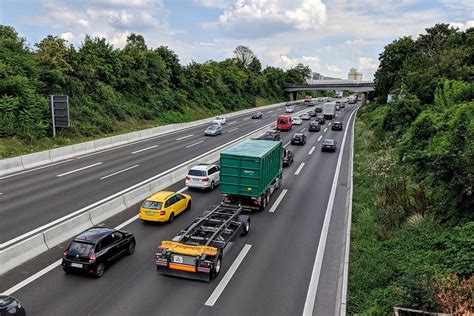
x: 330, y: 36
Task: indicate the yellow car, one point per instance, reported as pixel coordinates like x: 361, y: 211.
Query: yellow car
x: 163, y: 206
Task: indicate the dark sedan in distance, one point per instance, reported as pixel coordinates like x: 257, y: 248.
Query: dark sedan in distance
x: 298, y: 139
x: 11, y: 306
x: 96, y: 248
x: 257, y: 115
x: 318, y: 109
x: 314, y: 126
x: 321, y: 120
x: 328, y: 145
x: 336, y: 126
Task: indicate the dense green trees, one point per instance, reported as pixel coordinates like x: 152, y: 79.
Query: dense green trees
x: 413, y: 202
x: 109, y: 86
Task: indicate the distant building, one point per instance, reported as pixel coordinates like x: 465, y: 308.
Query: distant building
x: 317, y: 76
x: 354, y: 74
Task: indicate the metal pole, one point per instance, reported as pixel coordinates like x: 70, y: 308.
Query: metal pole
x: 52, y: 116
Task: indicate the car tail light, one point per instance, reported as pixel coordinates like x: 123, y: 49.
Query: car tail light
x: 187, y: 178
x: 161, y: 260
x: 65, y: 254
x: 205, y: 179
x: 162, y: 212
x: 92, y: 258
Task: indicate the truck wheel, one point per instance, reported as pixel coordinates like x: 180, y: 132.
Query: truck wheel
x: 246, y: 229
x: 264, y: 203
x: 217, y: 267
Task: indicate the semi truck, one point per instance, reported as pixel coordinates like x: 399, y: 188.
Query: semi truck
x: 329, y: 110
x: 250, y: 172
x: 196, y: 252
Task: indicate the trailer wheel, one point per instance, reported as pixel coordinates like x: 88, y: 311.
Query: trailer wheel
x: 264, y: 202
x: 217, y: 267
x: 246, y: 229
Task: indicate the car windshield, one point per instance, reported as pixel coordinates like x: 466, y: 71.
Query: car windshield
x: 328, y: 142
x: 197, y: 173
x: 80, y: 248
x: 212, y: 127
x: 297, y: 136
x: 152, y: 205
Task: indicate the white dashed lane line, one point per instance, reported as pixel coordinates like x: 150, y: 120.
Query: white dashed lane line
x: 302, y: 130
x: 320, y: 137
x: 232, y: 123
x: 80, y: 169
x: 184, y: 137
x: 234, y: 129
x: 278, y: 201
x: 144, y: 149
x: 312, y: 149
x: 325, y: 130
x: 195, y: 144
x: 284, y: 146
x: 297, y: 172
x: 113, y: 174
x: 247, y: 118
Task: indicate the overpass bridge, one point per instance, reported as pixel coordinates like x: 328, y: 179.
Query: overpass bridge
x: 344, y: 85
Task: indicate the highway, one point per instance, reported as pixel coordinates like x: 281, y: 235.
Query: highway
x: 281, y: 268
x: 36, y: 197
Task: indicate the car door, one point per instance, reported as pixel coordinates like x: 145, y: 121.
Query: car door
x: 180, y: 203
x: 107, y: 250
x: 168, y: 206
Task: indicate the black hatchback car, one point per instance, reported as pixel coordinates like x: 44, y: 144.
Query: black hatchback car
x: 288, y: 158
x: 94, y: 249
x: 318, y: 109
x: 314, y: 126
x: 337, y: 126
x: 298, y: 139
x: 321, y: 120
x: 329, y: 145
x: 257, y: 115
x: 11, y: 306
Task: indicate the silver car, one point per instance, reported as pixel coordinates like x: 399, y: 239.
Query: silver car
x: 203, y: 176
x: 213, y: 130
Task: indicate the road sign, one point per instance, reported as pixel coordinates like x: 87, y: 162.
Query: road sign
x: 59, y: 111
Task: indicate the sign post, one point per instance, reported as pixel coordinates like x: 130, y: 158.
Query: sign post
x: 59, y: 111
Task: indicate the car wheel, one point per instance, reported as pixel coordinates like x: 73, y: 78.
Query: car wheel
x: 212, y: 186
x: 171, y: 218
x: 188, y: 206
x: 131, y: 248
x: 246, y: 229
x: 99, y: 270
x: 217, y: 267
x: 66, y: 270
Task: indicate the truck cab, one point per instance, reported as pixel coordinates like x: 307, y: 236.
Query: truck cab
x: 284, y: 123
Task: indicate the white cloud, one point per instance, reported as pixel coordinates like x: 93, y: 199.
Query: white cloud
x: 207, y: 44
x: 83, y: 22
x: 463, y: 26
x: 334, y: 68
x: 68, y: 36
x: 356, y: 42
x: 311, y: 59
x: 220, y: 4
x: 261, y: 18
x: 367, y: 63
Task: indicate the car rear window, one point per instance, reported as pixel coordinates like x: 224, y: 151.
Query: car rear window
x: 153, y: 205
x: 197, y: 173
x: 80, y: 248
x: 328, y: 142
x: 282, y: 121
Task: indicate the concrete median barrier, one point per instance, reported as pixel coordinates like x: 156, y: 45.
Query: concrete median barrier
x: 61, y: 153
x: 133, y: 197
x: 103, y: 143
x: 21, y: 252
x: 103, y: 212
x: 36, y: 159
x: 10, y: 165
x: 68, y: 229
x: 83, y: 148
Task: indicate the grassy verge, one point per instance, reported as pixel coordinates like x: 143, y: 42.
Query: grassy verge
x: 400, y: 255
x: 12, y: 146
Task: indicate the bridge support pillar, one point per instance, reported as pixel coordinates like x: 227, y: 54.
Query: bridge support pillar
x: 364, y: 98
x: 293, y: 95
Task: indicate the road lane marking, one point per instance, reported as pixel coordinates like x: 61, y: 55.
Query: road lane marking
x: 123, y: 170
x: 329, y: 123
x: 34, y: 169
x: 318, y: 260
x: 182, y: 190
x: 284, y: 146
x: 234, y: 129
x: 257, y: 121
x: 226, y: 279
x: 303, y: 130
x: 184, y: 137
x: 144, y: 149
x: 320, y: 137
x: 312, y: 149
x: 195, y: 144
x: 270, y: 111
x: 278, y: 201
x: 325, y: 130
x: 297, y: 172
x: 246, y: 118
x: 80, y: 169
x: 232, y: 123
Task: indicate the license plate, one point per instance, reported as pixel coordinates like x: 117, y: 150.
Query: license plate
x: 177, y: 259
x: 150, y: 213
x: 76, y: 265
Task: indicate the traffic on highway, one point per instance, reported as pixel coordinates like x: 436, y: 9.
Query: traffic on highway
x: 262, y: 237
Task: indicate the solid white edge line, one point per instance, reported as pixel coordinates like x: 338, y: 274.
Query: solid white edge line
x: 297, y: 172
x: 199, y: 142
x: 182, y: 190
x: 345, y: 274
x: 53, y: 265
x: 34, y: 169
x: 325, y: 130
x: 80, y: 169
x: 226, y: 279
x: 312, y: 149
x: 140, y: 150
x: 278, y: 201
x: 184, y: 137
x: 234, y: 129
x: 120, y: 171
x: 320, y: 137
x: 318, y: 261
x: 284, y: 146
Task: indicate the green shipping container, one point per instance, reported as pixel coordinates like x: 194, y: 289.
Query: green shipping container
x: 249, y: 168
